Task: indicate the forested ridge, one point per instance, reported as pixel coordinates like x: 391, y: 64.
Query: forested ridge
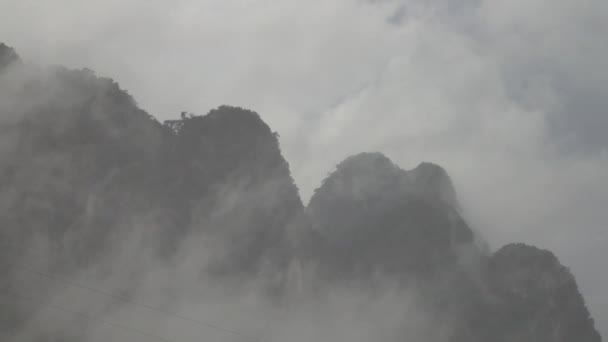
x: 92, y: 184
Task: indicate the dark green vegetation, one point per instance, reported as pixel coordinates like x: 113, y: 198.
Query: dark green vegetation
x: 83, y: 169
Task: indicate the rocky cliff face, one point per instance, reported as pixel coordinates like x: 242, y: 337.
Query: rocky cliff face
x: 82, y: 166
x: 66, y: 135
x: 81, y: 160
x: 535, y: 298
x: 371, y: 216
x: 228, y: 171
x: 371, y: 220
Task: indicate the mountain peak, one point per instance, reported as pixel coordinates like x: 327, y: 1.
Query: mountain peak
x: 232, y: 138
x: 523, y: 276
x: 433, y: 181
x: 366, y: 161
x: 527, y: 262
x: 226, y: 121
x: 372, y: 216
x: 361, y: 177
x: 429, y: 168
x: 86, y: 167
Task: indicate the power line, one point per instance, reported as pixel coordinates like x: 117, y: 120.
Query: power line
x: 93, y: 318
x: 129, y: 301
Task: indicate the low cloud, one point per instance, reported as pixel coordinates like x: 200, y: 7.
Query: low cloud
x: 509, y: 96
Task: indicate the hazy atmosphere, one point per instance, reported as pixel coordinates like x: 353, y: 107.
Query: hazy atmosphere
x: 509, y: 97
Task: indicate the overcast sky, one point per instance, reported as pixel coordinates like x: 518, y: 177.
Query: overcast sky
x: 510, y: 96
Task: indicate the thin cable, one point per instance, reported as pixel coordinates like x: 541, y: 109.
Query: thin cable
x: 93, y: 318
x: 130, y: 301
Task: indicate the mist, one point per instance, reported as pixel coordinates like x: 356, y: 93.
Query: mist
x: 508, y: 97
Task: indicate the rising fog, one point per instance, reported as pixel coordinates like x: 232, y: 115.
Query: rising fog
x: 509, y: 97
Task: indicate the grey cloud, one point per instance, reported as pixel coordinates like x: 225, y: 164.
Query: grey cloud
x: 509, y: 96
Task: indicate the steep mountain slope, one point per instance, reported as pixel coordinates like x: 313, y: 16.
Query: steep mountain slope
x: 249, y: 199
x: 371, y: 222
x: 79, y: 155
x: 535, y: 298
x: 370, y: 216
x: 66, y: 134
x: 86, y: 175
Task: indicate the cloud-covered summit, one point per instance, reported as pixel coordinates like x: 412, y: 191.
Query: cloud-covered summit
x: 92, y: 184
x: 506, y: 95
